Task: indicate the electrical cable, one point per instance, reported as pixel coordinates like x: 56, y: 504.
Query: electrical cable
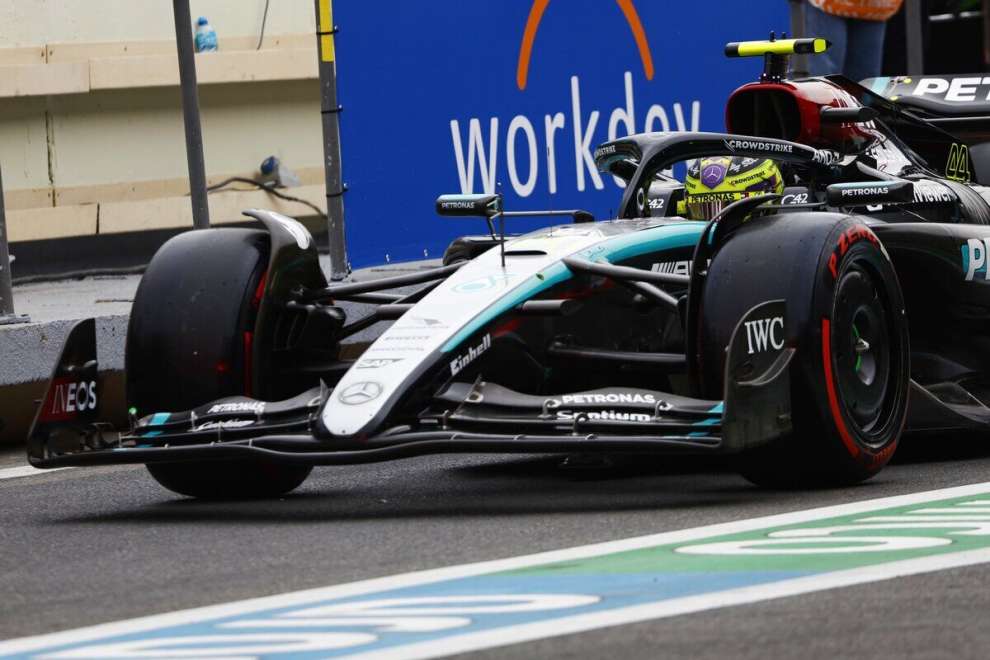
x: 269, y: 188
x: 137, y: 270
x: 264, y: 19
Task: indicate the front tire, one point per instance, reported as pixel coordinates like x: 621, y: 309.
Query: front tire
x: 188, y: 343
x: 229, y: 480
x: 849, y: 382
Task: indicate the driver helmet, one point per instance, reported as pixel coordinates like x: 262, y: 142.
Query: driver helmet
x: 714, y: 183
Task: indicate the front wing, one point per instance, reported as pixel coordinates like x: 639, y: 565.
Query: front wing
x: 475, y: 417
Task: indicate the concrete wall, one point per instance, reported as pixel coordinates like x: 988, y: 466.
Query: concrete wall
x: 31, y: 22
x: 132, y: 135
x: 109, y: 145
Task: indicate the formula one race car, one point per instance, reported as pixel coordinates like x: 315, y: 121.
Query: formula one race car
x: 776, y: 331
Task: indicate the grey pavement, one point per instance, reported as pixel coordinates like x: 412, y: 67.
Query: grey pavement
x: 85, y: 546
x: 50, y: 302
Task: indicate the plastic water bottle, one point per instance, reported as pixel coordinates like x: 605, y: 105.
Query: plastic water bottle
x: 206, y: 36
x: 273, y: 169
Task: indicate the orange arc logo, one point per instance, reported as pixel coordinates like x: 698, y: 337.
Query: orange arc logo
x: 533, y: 24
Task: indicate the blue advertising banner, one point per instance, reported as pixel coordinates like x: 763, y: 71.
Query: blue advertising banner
x: 458, y: 96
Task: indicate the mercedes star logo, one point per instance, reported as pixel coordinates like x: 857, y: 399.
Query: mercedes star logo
x: 358, y: 393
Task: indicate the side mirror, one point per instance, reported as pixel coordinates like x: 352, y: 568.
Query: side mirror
x: 868, y: 193
x: 830, y: 115
x: 480, y: 206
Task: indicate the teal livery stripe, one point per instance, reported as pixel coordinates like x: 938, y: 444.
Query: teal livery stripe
x: 717, y: 409
x: 159, y: 418
x: 618, y: 248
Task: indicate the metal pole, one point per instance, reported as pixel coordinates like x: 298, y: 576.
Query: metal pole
x: 6, y: 291
x: 330, y: 112
x: 799, y: 63
x: 914, y: 19
x: 190, y: 114
x: 986, y: 33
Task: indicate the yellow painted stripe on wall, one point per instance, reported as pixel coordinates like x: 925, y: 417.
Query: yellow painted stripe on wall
x: 326, y: 24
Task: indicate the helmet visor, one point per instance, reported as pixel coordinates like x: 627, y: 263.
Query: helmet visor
x: 704, y: 210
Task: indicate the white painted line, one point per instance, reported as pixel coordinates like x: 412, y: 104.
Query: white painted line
x: 635, y: 613
x: 528, y: 632
x: 25, y: 471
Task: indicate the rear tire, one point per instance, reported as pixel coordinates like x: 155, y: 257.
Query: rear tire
x: 849, y: 381
x: 188, y: 343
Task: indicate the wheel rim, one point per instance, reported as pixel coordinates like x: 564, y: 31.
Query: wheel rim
x: 861, y: 349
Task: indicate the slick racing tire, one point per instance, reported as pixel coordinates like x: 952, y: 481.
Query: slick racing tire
x: 188, y: 343
x: 845, y: 316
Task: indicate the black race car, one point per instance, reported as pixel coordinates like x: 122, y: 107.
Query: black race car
x: 791, y: 330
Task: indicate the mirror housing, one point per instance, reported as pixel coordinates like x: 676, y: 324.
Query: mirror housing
x: 831, y: 115
x: 479, y: 206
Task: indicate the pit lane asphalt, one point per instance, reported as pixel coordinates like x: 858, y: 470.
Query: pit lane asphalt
x: 86, y: 546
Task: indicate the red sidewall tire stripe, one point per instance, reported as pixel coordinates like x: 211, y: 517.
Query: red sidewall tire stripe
x: 833, y: 396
